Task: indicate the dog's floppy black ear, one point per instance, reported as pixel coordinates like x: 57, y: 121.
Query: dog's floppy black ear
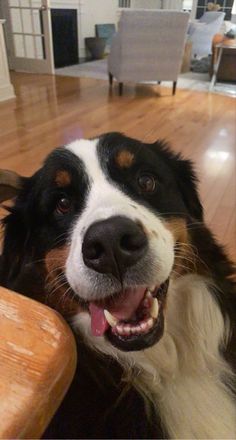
x: 185, y: 177
x: 187, y: 182
x: 10, y: 184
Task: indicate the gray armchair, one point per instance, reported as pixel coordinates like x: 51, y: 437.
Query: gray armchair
x: 148, y: 46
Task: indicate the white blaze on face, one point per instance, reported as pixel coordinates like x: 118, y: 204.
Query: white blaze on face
x: 105, y: 200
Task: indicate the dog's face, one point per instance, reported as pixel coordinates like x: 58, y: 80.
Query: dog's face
x: 108, y: 216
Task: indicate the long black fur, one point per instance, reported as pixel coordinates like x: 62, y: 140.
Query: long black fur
x: 30, y: 230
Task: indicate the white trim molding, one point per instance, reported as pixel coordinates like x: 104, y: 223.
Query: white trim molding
x: 6, y: 88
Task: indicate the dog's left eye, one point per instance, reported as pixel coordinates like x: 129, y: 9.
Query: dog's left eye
x: 147, y: 183
x: 63, y: 205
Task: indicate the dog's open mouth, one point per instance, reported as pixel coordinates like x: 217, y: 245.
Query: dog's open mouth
x: 132, y: 319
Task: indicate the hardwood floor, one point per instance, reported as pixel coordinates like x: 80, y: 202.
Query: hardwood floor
x: 51, y: 111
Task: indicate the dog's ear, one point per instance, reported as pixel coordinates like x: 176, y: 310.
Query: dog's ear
x: 10, y: 184
x: 187, y: 182
x: 185, y: 177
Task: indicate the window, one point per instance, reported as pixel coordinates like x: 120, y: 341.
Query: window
x: 124, y: 3
x: 226, y: 6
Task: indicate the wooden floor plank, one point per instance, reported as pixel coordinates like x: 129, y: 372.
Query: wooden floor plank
x: 51, y: 111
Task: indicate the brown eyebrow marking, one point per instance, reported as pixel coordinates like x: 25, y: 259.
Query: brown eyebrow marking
x: 124, y: 159
x: 63, y: 178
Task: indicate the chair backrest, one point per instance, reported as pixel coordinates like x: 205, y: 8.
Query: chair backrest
x: 211, y: 16
x: 152, y: 43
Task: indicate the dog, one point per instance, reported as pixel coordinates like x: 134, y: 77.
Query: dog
x: 110, y: 232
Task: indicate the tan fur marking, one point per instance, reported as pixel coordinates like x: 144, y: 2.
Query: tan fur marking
x: 56, y: 258
x: 63, y: 178
x: 185, y: 261
x: 124, y: 159
x: 178, y: 228
x: 59, y: 297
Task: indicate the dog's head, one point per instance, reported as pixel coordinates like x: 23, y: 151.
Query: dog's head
x: 109, y: 218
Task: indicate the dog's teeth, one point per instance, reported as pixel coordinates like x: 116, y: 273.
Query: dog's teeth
x: 110, y: 318
x: 127, y: 330
x: 134, y: 330
x: 154, y: 308
x: 146, y: 303
x: 152, y: 288
x: 120, y: 329
x: 150, y: 322
x: 143, y: 326
x: 148, y: 294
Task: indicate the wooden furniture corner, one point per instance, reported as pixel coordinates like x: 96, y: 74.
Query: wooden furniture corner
x: 187, y: 55
x: 223, y: 60
x: 37, y: 364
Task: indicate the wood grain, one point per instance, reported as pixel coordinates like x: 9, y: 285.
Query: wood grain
x: 37, y: 363
x: 51, y: 111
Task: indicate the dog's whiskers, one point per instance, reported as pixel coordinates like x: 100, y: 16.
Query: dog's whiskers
x: 188, y: 252
x: 65, y: 294
x: 52, y: 290
x: 54, y: 281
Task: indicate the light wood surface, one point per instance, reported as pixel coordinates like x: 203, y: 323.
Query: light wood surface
x: 51, y: 111
x: 227, y: 64
x: 37, y: 362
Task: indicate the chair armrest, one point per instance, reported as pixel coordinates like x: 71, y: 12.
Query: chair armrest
x: 37, y: 364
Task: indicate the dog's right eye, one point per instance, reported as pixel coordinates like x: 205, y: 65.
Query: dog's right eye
x: 63, y: 205
x: 147, y: 183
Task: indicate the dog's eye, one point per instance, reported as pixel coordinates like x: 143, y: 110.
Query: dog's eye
x: 147, y: 183
x: 63, y: 205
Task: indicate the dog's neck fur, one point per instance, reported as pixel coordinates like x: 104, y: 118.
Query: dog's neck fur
x: 184, y: 374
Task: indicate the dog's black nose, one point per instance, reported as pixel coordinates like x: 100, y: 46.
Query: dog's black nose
x: 113, y: 245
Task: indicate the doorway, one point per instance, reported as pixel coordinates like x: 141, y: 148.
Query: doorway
x: 28, y: 35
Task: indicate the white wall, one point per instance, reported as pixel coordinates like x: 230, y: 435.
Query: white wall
x: 165, y: 4
x: 95, y: 12
x: 194, y: 9
x: 146, y: 4
x: 172, y: 4
x: 157, y: 4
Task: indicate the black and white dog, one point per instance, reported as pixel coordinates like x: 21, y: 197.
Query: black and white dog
x: 110, y: 232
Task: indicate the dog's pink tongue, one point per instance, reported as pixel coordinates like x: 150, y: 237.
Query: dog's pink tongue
x: 123, y: 308
x: 99, y: 323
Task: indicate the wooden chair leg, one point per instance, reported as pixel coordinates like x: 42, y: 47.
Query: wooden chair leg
x: 110, y: 79
x: 174, y: 87
x: 120, y: 89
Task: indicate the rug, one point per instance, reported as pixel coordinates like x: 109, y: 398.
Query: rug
x: 189, y: 80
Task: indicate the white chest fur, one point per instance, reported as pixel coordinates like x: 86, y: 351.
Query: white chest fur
x: 183, y: 373
x: 187, y: 368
